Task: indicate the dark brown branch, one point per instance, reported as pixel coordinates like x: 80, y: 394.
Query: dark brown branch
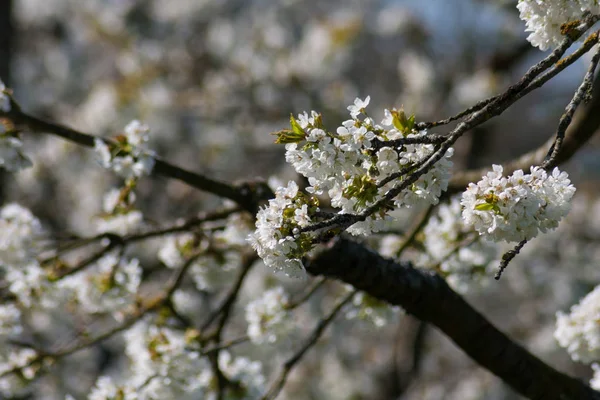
x: 533, y: 79
x: 581, y: 130
x: 533, y: 72
x: 582, y: 93
x: 428, y: 297
x: 246, y: 195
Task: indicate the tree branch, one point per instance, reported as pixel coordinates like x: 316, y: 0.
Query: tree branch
x: 247, y: 194
x: 428, y: 297
x: 581, y: 130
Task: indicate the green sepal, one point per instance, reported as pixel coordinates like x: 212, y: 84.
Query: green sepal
x: 401, y: 122
x: 296, y: 128
x: 484, y: 207
x: 285, y: 136
x: 488, y: 207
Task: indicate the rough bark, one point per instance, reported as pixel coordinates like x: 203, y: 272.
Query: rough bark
x: 427, y: 296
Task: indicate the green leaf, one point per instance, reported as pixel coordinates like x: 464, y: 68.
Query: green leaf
x: 296, y: 128
x: 287, y: 136
x: 485, y: 207
x: 401, y: 122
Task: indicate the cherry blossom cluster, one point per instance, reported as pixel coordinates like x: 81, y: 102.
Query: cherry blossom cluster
x: 12, y: 356
x: 4, y: 98
x: 12, y: 157
x: 544, y: 18
x: 210, y: 270
x: 267, y: 316
x: 518, y: 207
x: 108, y: 286
x: 356, y: 167
x: 277, y: 239
x: 451, y: 248
x: 127, y: 158
x: 20, y: 232
x: 369, y: 309
x: 21, y: 235
x: 578, y: 331
x: 217, y: 253
x: 119, y: 213
x: 167, y: 363
x: 595, y: 381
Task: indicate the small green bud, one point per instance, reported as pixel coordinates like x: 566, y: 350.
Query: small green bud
x: 401, y: 122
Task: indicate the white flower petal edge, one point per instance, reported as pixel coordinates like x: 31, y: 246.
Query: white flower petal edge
x: 518, y: 207
x: 544, y: 18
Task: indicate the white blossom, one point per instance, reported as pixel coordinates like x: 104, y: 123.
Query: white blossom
x: 136, y: 133
x: 119, y: 216
x: 462, y: 259
x: 518, y: 207
x: 352, y: 179
x: 209, y: 270
x: 595, y: 381
x: 20, y: 232
x: 165, y: 358
x: 544, y: 18
x: 108, y: 286
x: 175, y: 248
x: 579, y: 331
x: 4, y: 99
x: 244, y: 371
x: 11, y: 157
x: 238, y: 227
x: 111, y: 200
x: 166, y: 363
x: 20, y: 236
x: 354, y: 172
x: 267, y: 316
x: 12, y: 358
x: 10, y: 319
x: 129, y: 160
x: 368, y: 308
x: 133, y: 167
x: 358, y: 106
x: 103, y: 153
x: 30, y: 285
x: 106, y: 389
x: 121, y: 223
x: 274, y: 238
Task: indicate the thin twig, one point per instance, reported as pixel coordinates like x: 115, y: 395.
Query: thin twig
x: 530, y: 81
x: 230, y: 297
x: 507, y: 258
x: 423, y: 139
x: 318, y: 283
x: 289, y: 364
x: 412, y: 234
x: 135, y: 316
x: 247, y: 194
x: 191, y: 223
x: 225, y: 345
x: 580, y: 95
x: 461, y: 179
x: 533, y: 72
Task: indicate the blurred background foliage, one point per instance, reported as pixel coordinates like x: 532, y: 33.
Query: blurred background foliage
x: 212, y: 78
